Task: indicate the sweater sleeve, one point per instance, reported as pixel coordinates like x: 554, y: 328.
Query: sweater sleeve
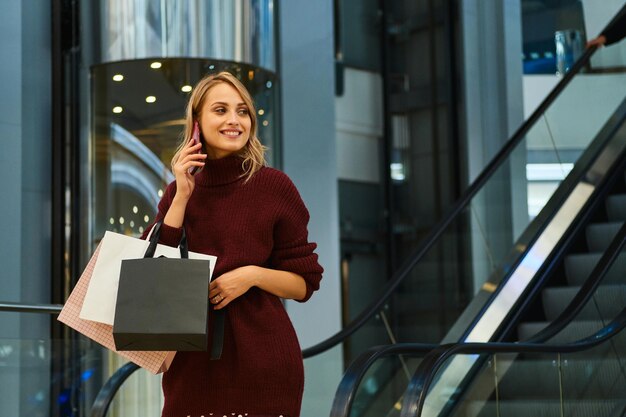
x: 616, y: 31
x: 169, y: 236
x: 292, y: 250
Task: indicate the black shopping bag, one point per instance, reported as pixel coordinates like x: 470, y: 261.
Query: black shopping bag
x: 162, y: 303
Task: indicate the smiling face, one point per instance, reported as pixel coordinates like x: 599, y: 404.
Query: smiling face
x: 224, y: 121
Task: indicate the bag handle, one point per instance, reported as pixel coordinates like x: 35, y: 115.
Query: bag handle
x: 154, y: 240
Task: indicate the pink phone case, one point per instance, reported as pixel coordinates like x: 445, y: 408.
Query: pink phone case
x: 195, y: 138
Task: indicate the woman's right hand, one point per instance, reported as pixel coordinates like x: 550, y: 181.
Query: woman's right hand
x: 189, y: 157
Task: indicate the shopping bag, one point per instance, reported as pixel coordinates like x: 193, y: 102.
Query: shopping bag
x: 99, y: 304
x: 162, y: 303
x: 153, y: 361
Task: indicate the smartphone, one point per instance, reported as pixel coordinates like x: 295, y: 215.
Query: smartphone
x: 195, y: 139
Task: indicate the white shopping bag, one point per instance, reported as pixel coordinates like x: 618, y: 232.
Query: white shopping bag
x: 153, y: 361
x: 99, y: 303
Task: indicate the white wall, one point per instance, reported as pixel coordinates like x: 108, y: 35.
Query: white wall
x: 359, y: 126
x: 579, y: 112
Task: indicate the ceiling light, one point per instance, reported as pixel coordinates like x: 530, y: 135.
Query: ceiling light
x: 261, y: 112
x: 186, y: 88
x: 118, y: 77
x: 266, y: 123
x: 150, y: 99
x: 118, y: 109
x: 155, y: 65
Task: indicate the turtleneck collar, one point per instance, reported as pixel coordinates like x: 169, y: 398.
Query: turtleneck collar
x: 220, y: 171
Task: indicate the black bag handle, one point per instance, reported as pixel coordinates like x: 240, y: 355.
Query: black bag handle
x: 154, y: 240
x: 219, y: 315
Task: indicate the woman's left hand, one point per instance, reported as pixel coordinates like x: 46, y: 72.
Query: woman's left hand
x: 231, y: 285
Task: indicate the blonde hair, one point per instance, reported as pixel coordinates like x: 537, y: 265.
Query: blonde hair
x: 253, y: 153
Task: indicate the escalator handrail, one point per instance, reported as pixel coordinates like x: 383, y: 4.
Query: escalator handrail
x: 426, y: 372
x: 356, y: 371
x: 109, y: 389
x: 30, y: 308
x: 437, y: 231
x: 346, y: 391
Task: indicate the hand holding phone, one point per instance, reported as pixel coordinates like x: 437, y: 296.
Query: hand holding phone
x: 195, y: 139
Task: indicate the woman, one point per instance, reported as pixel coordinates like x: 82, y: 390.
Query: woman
x: 253, y: 219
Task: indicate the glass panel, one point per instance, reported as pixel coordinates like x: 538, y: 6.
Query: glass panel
x: 594, y: 381
x: 503, y: 385
x: 140, y: 395
x: 381, y: 391
x: 528, y: 384
x: 378, y: 394
x: 49, y: 377
x: 480, y: 398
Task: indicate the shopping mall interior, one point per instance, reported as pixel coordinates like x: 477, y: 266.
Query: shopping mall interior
x: 463, y: 163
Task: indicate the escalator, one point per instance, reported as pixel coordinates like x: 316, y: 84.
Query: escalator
x: 549, y: 263
x: 563, y: 268
x: 565, y: 369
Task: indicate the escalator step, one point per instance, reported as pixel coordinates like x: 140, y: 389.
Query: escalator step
x: 600, y: 235
x: 578, y: 268
x: 571, y: 408
x: 579, y: 377
x: 575, y: 331
x: 607, y: 302
x: 616, y: 207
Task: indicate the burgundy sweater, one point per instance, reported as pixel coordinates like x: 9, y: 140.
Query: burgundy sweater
x: 262, y: 222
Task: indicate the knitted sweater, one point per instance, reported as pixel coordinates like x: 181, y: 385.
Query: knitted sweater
x: 262, y: 222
